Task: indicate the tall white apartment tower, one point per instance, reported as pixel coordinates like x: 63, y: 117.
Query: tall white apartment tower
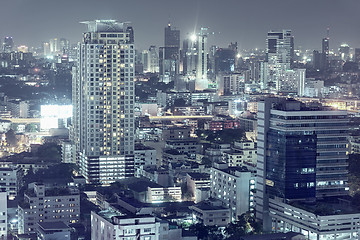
x: 103, y: 99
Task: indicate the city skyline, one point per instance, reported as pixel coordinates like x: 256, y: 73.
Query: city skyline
x: 246, y: 27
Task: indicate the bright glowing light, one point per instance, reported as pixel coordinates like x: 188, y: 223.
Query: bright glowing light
x: 238, y: 55
x: 193, y: 37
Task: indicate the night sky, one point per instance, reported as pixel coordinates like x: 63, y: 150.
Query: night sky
x: 31, y: 22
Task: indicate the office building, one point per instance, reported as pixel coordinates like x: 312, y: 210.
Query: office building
x: 169, y: 55
x: 172, y: 43
x: 48, y: 205
x: 103, y: 101
x: 225, y: 59
x: 302, y: 153
x: 189, y: 55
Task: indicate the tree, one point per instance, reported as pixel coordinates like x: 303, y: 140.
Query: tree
x: 245, y: 225
x: 206, y: 232
x: 179, y: 102
x: 206, y: 161
x: 11, y: 138
x: 50, y: 152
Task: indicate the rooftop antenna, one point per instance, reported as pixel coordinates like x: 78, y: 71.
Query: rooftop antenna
x: 328, y: 33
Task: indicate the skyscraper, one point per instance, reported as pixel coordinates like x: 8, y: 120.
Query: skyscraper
x: 169, y: 55
x: 172, y: 43
x: 201, y: 81
x: 325, y: 53
x: 103, y: 99
x: 153, y: 61
x: 279, y: 55
x: 302, y: 154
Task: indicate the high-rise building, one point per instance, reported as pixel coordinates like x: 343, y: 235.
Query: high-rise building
x: 8, y: 44
x: 153, y: 61
x: 46, y: 49
x: 172, y: 43
x: 292, y: 81
x: 64, y: 45
x: 54, y: 45
x: 302, y: 154
x: 190, y: 55
x: 103, y: 100
x: 201, y: 81
x: 225, y: 59
x: 357, y: 56
x: 325, y: 53
x: 279, y: 55
x: 344, y: 51
x: 169, y: 55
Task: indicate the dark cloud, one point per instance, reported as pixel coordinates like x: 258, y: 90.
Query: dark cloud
x: 244, y: 21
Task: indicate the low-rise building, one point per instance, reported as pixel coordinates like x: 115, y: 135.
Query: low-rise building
x: 53, y: 231
x: 216, y: 151
x: 160, y: 175
x: 211, y: 213
x: 318, y: 220
x: 150, y: 192
x: 190, y: 147
x: 47, y: 205
x: 67, y: 152
x: 243, y: 153
x: 354, y: 145
x: 11, y: 180
x: 234, y: 186
x: 195, y: 180
x: 173, y: 156
x: 144, y: 155
x: 176, y: 133
x: 107, y: 226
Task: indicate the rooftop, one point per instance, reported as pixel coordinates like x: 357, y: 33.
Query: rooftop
x: 233, y: 170
x: 197, y: 175
x: 105, y: 26
x: 143, y: 147
x: 142, y: 186
x: 50, y: 226
x: 272, y: 236
x: 328, y: 206
x: 208, y: 205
